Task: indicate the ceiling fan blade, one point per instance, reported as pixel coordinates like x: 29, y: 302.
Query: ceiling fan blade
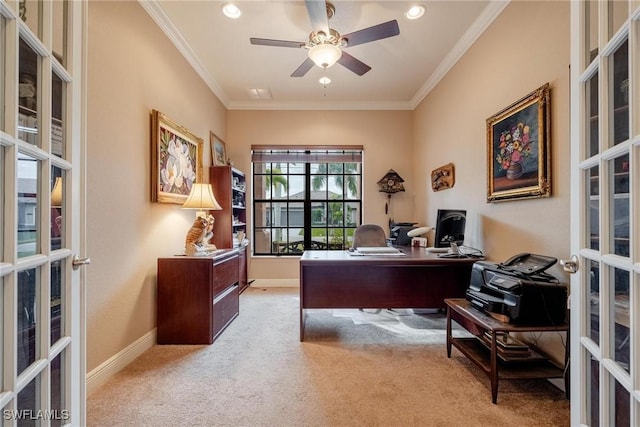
x: 353, y: 64
x: 377, y: 32
x: 317, y: 10
x: 303, y: 68
x: 278, y: 43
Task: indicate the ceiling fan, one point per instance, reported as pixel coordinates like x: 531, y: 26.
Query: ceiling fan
x: 326, y: 45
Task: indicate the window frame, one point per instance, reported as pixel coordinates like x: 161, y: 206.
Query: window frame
x: 316, y: 169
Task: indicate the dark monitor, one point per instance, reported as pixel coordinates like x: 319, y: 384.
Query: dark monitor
x: 450, y: 225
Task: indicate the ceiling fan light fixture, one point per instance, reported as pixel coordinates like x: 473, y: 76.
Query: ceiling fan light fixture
x: 325, y: 55
x: 232, y: 11
x: 415, y: 12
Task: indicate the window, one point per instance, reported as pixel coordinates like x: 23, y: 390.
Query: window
x: 305, y: 198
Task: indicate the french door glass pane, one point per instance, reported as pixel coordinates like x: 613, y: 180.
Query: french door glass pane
x: 57, y: 301
x: 619, y: 202
x: 620, y: 317
x: 28, y: 230
x: 592, y: 386
x: 591, y: 29
x: 59, y: 12
x: 591, y: 109
x: 59, y: 409
x: 593, y: 210
x: 3, y: 27
x: 620, y: 413
x: 28, y: 404
x: 593, y: 301
x: 619, y: 95
x: 57, y: 118
x: 57, y: 199
x: 28, y: 95
x: 2, y: 197
x: 26, y: 317
x: 618, y: 14
x: 31, y: 13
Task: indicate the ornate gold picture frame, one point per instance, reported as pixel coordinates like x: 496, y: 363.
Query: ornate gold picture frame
x: 176, y: 160
x: 518, y: 156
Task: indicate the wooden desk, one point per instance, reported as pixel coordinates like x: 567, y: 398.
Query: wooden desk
x: 335, y: 279
x: 486, y: 357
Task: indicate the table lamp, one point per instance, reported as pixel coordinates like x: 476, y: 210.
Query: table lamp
x: 202, y: 199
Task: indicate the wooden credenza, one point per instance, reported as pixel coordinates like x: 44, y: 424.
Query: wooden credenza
x: 198, y: 297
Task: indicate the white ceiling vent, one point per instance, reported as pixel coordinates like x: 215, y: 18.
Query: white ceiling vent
x: 259, y: 94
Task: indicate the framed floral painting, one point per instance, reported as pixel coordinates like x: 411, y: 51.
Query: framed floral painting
x: 518, y: 157
x: 176, y: 160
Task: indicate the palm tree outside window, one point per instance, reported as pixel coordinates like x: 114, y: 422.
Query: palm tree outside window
x: 305, y: 198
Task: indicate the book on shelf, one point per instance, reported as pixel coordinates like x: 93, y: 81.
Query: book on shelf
x: 507, y: 345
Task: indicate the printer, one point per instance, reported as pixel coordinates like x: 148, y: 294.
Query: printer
x: 519, y: 291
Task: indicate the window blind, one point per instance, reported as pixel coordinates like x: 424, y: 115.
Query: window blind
x: 306, y: 154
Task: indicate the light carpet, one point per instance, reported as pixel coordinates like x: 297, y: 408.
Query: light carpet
x: 355, y: 368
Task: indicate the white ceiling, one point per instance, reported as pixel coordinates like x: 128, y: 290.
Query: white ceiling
x: 404, y: 68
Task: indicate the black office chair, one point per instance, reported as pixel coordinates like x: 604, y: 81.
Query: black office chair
x: 369, y: 235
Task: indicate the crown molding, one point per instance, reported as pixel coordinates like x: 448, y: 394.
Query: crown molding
x: 486, y: 18
x: 155, y: 11
x: 269, y: 105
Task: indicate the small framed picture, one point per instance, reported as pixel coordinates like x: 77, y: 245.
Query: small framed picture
x: 218, y: 151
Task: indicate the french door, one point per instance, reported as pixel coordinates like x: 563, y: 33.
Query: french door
x: 42, y: 370
x: 605, y: 293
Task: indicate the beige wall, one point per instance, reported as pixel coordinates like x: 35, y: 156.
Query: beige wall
x: 527, y: 46
x: 512, y: 58
x: 385, y: 135
x: 132, y: 69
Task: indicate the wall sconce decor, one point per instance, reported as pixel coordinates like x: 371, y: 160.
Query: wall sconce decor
x: 443, y: 178
x: 390, y: 183
x: 197, y: 240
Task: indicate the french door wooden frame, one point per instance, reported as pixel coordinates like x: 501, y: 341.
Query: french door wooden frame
x: 42, y: 126
x: 605, y: 201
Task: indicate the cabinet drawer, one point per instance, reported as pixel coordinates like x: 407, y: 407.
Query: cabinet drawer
x: 225, y: 275
x: 225, y: 309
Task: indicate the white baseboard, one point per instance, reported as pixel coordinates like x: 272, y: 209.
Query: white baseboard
x: 275, y: 283
x: 101, y: 374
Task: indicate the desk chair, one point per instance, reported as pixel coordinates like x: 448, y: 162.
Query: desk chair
x: 369, y: 235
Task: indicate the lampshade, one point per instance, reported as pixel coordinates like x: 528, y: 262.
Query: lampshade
x: 201, y: 198
x: 325, y: 55
x: 56, y: 193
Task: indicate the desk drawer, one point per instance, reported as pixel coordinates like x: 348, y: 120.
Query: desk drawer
x: 225, y: 274
x: 225, y: 309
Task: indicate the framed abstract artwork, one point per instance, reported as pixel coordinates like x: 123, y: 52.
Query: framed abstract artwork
x: 176, y: 160
x: 518, y: 157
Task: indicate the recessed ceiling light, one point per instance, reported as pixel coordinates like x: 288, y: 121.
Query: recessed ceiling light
x: 232, y: 11
x: 324, y: 80
x: 415, y: 12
